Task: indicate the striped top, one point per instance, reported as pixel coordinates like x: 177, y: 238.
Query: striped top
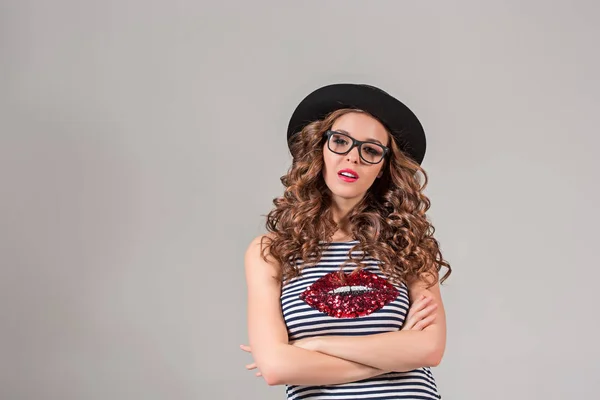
x: 316, y: 304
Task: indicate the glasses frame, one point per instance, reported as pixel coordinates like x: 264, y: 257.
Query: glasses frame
x: 355, y: 143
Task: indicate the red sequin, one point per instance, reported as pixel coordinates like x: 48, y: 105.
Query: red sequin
x: 362, y: 293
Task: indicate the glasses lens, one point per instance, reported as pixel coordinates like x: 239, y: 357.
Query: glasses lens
x: 339, y: 143
x: 371, y: 152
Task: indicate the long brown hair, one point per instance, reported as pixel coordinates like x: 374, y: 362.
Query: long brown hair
x: 389, y: 223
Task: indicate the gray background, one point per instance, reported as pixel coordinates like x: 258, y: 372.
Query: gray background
x: 142, y: 141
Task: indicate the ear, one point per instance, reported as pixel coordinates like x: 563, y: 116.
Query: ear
x: 380, y: 174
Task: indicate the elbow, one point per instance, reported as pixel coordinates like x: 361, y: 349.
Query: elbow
x: 433, y: 360
x: 434, y: 356
x: 272, y: 372
x: 272, y: 377
x: 272, y: 380
x: 273, y: 366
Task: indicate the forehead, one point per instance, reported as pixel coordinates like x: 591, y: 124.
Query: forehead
x: 362, y: 127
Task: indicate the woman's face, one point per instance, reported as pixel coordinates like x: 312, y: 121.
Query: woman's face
x: 352, y: 189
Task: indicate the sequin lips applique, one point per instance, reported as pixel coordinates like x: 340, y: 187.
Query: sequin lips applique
x: 361, y: 294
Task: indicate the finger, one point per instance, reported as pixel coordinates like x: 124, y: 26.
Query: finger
x: 410, y: 323
x: 424, y: 323
x: 410, y: 317
x: 251, y: 366
x: 417, y: 302
x: 413, y: 319
x: 424, y: 313
x: 245, y: 348
x: 419, y: 305
x: 258, y: 374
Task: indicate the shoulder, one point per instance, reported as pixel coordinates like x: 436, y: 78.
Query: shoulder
x: 425, y: 284
x: 257, y: 259
x: 259, y: 245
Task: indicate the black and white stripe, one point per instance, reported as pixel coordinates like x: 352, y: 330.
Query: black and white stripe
x: 303, y: 321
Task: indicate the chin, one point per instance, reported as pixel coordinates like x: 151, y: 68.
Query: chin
x: 345, y: 194
x: 344, y: 191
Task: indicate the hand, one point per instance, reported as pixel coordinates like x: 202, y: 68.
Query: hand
x: 421, y: 314
x: 252, y: 365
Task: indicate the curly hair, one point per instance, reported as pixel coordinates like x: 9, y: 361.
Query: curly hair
x: 389, y: 223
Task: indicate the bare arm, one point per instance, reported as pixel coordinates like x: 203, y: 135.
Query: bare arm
x: 403, y: 350
x: 278, y: 361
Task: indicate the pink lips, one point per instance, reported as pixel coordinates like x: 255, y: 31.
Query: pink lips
x: 346, y: 178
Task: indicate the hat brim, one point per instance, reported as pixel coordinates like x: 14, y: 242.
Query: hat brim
x: 402, y: 123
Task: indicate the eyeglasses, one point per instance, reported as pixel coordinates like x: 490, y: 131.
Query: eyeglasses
x: 341, y: 143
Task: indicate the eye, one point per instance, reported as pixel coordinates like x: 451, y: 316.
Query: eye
x: 373, y: 150
x: 338, y: 139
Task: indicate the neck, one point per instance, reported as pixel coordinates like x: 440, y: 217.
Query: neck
x: 340, y: 208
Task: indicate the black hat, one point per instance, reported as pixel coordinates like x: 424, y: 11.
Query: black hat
x: 391, y: 112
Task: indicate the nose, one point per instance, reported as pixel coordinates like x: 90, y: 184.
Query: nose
x: 353, y: 155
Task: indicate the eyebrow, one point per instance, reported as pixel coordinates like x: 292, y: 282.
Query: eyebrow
x: 348, y: 133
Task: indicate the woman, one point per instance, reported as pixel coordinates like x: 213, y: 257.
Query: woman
x: 343, y: 290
